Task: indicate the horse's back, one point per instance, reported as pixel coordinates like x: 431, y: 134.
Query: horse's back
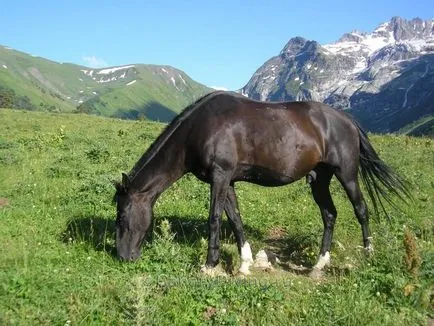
x: 275, y: 142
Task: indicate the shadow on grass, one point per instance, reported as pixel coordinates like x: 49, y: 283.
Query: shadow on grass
x: 189, y: 230
x: 99, y: 232
x: 296, y: 253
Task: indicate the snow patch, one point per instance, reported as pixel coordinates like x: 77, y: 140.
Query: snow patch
x: 164, y: 70
x: 87, y: 72
x: 182, y: 79
x: 102, y: 80
x: 368, y: 43
x: 382, y: 28
x: 112, y: 70
x: 4, y: 66
x: 360, y: 65
x: 219, y: 88
x: 94, y: 93
x: 131, y: 82
x: 374, y: 43
x: 172, y: 79
x: 270, y: 77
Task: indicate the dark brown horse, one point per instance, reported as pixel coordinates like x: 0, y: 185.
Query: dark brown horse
x: 224, y: 137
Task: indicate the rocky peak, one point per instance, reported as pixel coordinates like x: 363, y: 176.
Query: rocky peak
x: 416, y: 28
x: 354, y: 36
x: 300, y: 47
x: 294, y: 46
x: 391, y: 63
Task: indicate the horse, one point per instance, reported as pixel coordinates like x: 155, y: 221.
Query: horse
x: 225, y: 137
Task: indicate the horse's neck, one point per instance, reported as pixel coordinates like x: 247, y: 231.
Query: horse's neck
x: 162, y: 170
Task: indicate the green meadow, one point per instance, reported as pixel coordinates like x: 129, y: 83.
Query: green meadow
x: 58, y: 264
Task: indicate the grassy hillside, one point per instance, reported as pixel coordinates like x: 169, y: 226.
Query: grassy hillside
x: 154, y: 92
x: 421, y: 127
x: 57, y: 264
x: 42, y: 81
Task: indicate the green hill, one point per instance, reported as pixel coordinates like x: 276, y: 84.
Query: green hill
x: 57, y: 263
x: 421, y: 127
x: 132, y: 91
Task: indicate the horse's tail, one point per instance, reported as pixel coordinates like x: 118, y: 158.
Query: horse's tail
x: 380, y: 180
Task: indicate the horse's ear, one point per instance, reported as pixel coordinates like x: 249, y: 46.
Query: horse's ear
x: 125, y: 181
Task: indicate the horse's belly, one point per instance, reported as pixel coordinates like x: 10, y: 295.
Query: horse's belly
x: 261, y: 176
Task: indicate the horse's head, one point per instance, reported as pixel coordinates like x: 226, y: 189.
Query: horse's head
x: 134, y: 215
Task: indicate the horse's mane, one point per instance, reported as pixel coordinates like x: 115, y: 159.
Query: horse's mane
x: 167, y: 132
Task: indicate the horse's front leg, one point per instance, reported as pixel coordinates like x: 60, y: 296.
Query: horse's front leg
x: 219, y: 189
x: 233, y: 213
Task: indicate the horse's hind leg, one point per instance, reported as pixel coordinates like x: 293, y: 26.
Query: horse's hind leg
x: 321, y: 194
x: 233, y: 213
x: 348, y: 179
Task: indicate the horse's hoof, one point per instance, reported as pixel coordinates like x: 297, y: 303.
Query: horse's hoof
x: 369, y: 250
x: 316, y: 274
x: 213, y: 271
x: 244, y: 270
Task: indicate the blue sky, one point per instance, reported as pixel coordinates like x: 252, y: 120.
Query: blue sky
x: 218, y: 43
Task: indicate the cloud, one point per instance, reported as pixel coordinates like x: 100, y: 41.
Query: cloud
x: 219, y: 88
x: 94, y: 62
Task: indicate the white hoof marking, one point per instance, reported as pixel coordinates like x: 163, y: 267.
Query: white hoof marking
x: 244, y: 269
x: 246, y: 259
x: 323, y: 260
x: 369, y: 249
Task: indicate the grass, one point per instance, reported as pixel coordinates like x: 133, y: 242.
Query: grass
x: 57, y: 264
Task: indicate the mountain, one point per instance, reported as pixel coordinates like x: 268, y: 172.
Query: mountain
x: 385, y: 78
x: 130, y: 91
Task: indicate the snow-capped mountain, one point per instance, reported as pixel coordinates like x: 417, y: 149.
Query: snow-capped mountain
x: 375, y: 74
